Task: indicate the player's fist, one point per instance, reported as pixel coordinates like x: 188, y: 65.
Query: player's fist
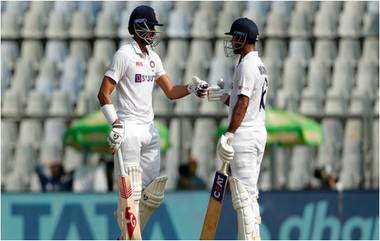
x: 216, y: 93
x: 116, y: 136
x: 198, y: 87
x: 225, y: 151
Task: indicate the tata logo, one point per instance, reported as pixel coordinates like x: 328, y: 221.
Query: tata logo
x: 139, y: 78
x: 219, y: 186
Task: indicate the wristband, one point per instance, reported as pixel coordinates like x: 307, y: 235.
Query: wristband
x: 109, y: 112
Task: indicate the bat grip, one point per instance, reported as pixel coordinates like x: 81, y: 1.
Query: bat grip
x: 120, y: 162
x: 225, y: 167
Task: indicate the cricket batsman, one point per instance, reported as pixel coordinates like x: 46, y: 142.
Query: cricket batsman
x: 244, y: 142
x: 134, y: 70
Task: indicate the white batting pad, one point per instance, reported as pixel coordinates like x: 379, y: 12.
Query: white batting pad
x: 152, y: 197
x: 246, y: 218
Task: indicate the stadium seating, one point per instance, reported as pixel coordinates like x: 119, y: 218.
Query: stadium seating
x: 322, y: 60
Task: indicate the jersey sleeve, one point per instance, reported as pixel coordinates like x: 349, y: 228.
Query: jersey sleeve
x: 245, y: 81
x: 118, y: 67
x: 159, y: 68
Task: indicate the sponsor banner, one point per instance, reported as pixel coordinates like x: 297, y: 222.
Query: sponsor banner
x: 285, y: 215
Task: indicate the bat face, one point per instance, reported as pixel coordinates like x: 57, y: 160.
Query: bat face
x: 132, y: 228
x: 214, y: 206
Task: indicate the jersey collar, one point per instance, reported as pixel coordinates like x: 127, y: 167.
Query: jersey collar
x: 137, y: 48
x: 252, y: 53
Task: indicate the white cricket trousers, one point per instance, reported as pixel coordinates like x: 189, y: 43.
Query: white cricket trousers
x: 141, y: 147
x: 249, y: 147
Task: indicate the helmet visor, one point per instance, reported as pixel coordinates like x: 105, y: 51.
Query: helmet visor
x: 147, y: 32
x: 233, y: 45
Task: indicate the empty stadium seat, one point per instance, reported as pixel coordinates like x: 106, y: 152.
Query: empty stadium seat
x: 301, y: 167
x: 7, y: 157
x: 90, y: 8
x: 352, y: 168
x: 34, y: 25
x: 371, y: 50
x: 301, y: 50
x: 177, y: 52
x: 123, y: 31
x: 113, y: 7
x: 37, y: 104
x: 325, y: 25
x: 294, y: 82
x: 17, y: 7
x: 9, y: 131
x: 309, y: 7
x: 261, y: 8
x: 277, y: 25
x: 179, y: 25
x: 56, y: 51
x: 202, y: 148
x: 201, y: 50
x: 373, y: 7
x: 41, y: 6
x: 6, y: 75
x: 371, y: 25
x: 24, y: 163
x: 10, y: 26
x: 67, y: 8
x: 355, y: 7
x: 9, y: 52
x: 203, y: 25
x: 104, y: 50
x: 350, y: 24
x: 349, y: 49
x: 60, y: 104
x: 329, y: 153
x: 325, y: 50
x: 32, y: 50
x: 360, y: 103
x: 30, y: 133
x: 81, y: 26
x: 300, y: 25
x: 23, y: 79
x: 72, y: 78
x: 80, y: 49
x: 314, y: 94
x: 87, y: 103
x: 12, y: 105
x: 275, y: 49
x: 95, y: 72
x: 47, y: 79
x: 367, y: 77
x: 72, y: 159
x: 57, y: 27
x: 375, y: 155
x: 106, y: 26
x: 54, y: 129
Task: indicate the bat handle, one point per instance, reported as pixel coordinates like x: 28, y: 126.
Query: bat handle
x: 120, y: 162
x: 225, y: 167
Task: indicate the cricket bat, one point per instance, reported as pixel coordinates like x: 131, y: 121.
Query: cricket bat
x: 131, y: 229
x: 215, y: 204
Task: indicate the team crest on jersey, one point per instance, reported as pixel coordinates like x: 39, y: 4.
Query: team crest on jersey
x: 152, y: 64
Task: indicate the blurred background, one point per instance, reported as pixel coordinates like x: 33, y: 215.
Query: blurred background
x: 323, y: 63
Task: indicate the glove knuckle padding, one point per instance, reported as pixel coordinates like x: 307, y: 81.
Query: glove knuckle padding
x: 246, y: 217
x: 152, y: 197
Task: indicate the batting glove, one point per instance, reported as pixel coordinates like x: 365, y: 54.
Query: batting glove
x: 116, y: 136
x: 216, y: 93
x: 225, y: 151
x: 198, y: 87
